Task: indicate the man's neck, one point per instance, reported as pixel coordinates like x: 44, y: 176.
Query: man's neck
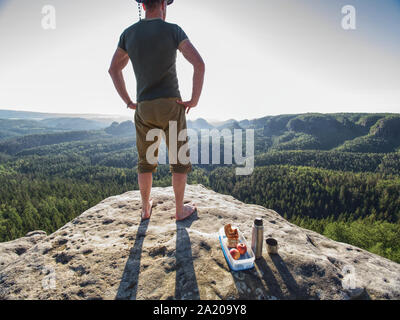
x: 155, y: 14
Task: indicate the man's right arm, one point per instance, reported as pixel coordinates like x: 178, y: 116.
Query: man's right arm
x: 118, y: 63
x: 193, y: 56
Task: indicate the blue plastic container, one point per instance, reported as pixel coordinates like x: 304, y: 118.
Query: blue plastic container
x: 245, y: 262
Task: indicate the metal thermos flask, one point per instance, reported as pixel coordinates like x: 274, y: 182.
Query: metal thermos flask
x: 257, y: 238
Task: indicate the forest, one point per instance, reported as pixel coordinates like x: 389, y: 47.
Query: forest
x: 350, y: 195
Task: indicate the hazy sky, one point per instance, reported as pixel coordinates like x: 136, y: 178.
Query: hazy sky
x: 262, y: 57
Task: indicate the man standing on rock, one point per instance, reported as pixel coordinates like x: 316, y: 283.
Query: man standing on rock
x: 151, y: 44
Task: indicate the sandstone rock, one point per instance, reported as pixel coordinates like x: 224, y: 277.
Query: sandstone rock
x: 36, y: 233
x: 109, y: 253
x: 12, y: 250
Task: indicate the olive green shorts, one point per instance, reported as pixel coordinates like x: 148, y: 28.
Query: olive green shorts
x: 167, y: 117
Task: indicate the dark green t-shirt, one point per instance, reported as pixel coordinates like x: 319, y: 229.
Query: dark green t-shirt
x: 152, y: 47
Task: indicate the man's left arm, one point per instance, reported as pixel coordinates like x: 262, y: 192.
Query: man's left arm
x: 119, y: 62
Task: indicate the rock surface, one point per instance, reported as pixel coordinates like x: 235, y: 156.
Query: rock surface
x: 12, y: 250
x: 109, y: 253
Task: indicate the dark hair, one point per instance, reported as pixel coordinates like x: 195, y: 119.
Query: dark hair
x: 151, y: 4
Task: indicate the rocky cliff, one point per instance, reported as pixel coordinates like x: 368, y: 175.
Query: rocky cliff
x: 108, y: 253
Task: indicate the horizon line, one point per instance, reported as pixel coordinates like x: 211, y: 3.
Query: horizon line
x: 207, y: 119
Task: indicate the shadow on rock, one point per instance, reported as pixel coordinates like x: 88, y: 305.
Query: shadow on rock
x: 295, y: 291
x: 186, y: 287
x: 273, y: 287
x: 261, y: 283
x: 249, y: 285
x: 128, y: 286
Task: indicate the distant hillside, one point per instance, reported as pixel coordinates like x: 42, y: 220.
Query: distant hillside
x: 344, y: 132
x: 31, y: 115
x: 19, y: 127
x: 126, y: 128
x: 349, y: 132
x: 384, y: 136
x: 199, y: 124
x: 73, y: 123
x: 377, y: 133
x: 12, y: 128
x: 14, y: 114
x: 15, y: 145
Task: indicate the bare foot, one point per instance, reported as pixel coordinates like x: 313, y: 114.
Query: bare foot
x: 147, y: 212
x: 187, y: 211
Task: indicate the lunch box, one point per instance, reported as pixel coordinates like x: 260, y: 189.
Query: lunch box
x: 246, y: 261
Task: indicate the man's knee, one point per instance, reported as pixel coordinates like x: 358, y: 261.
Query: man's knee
x: 146, y: 168
x: 180, y: 168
